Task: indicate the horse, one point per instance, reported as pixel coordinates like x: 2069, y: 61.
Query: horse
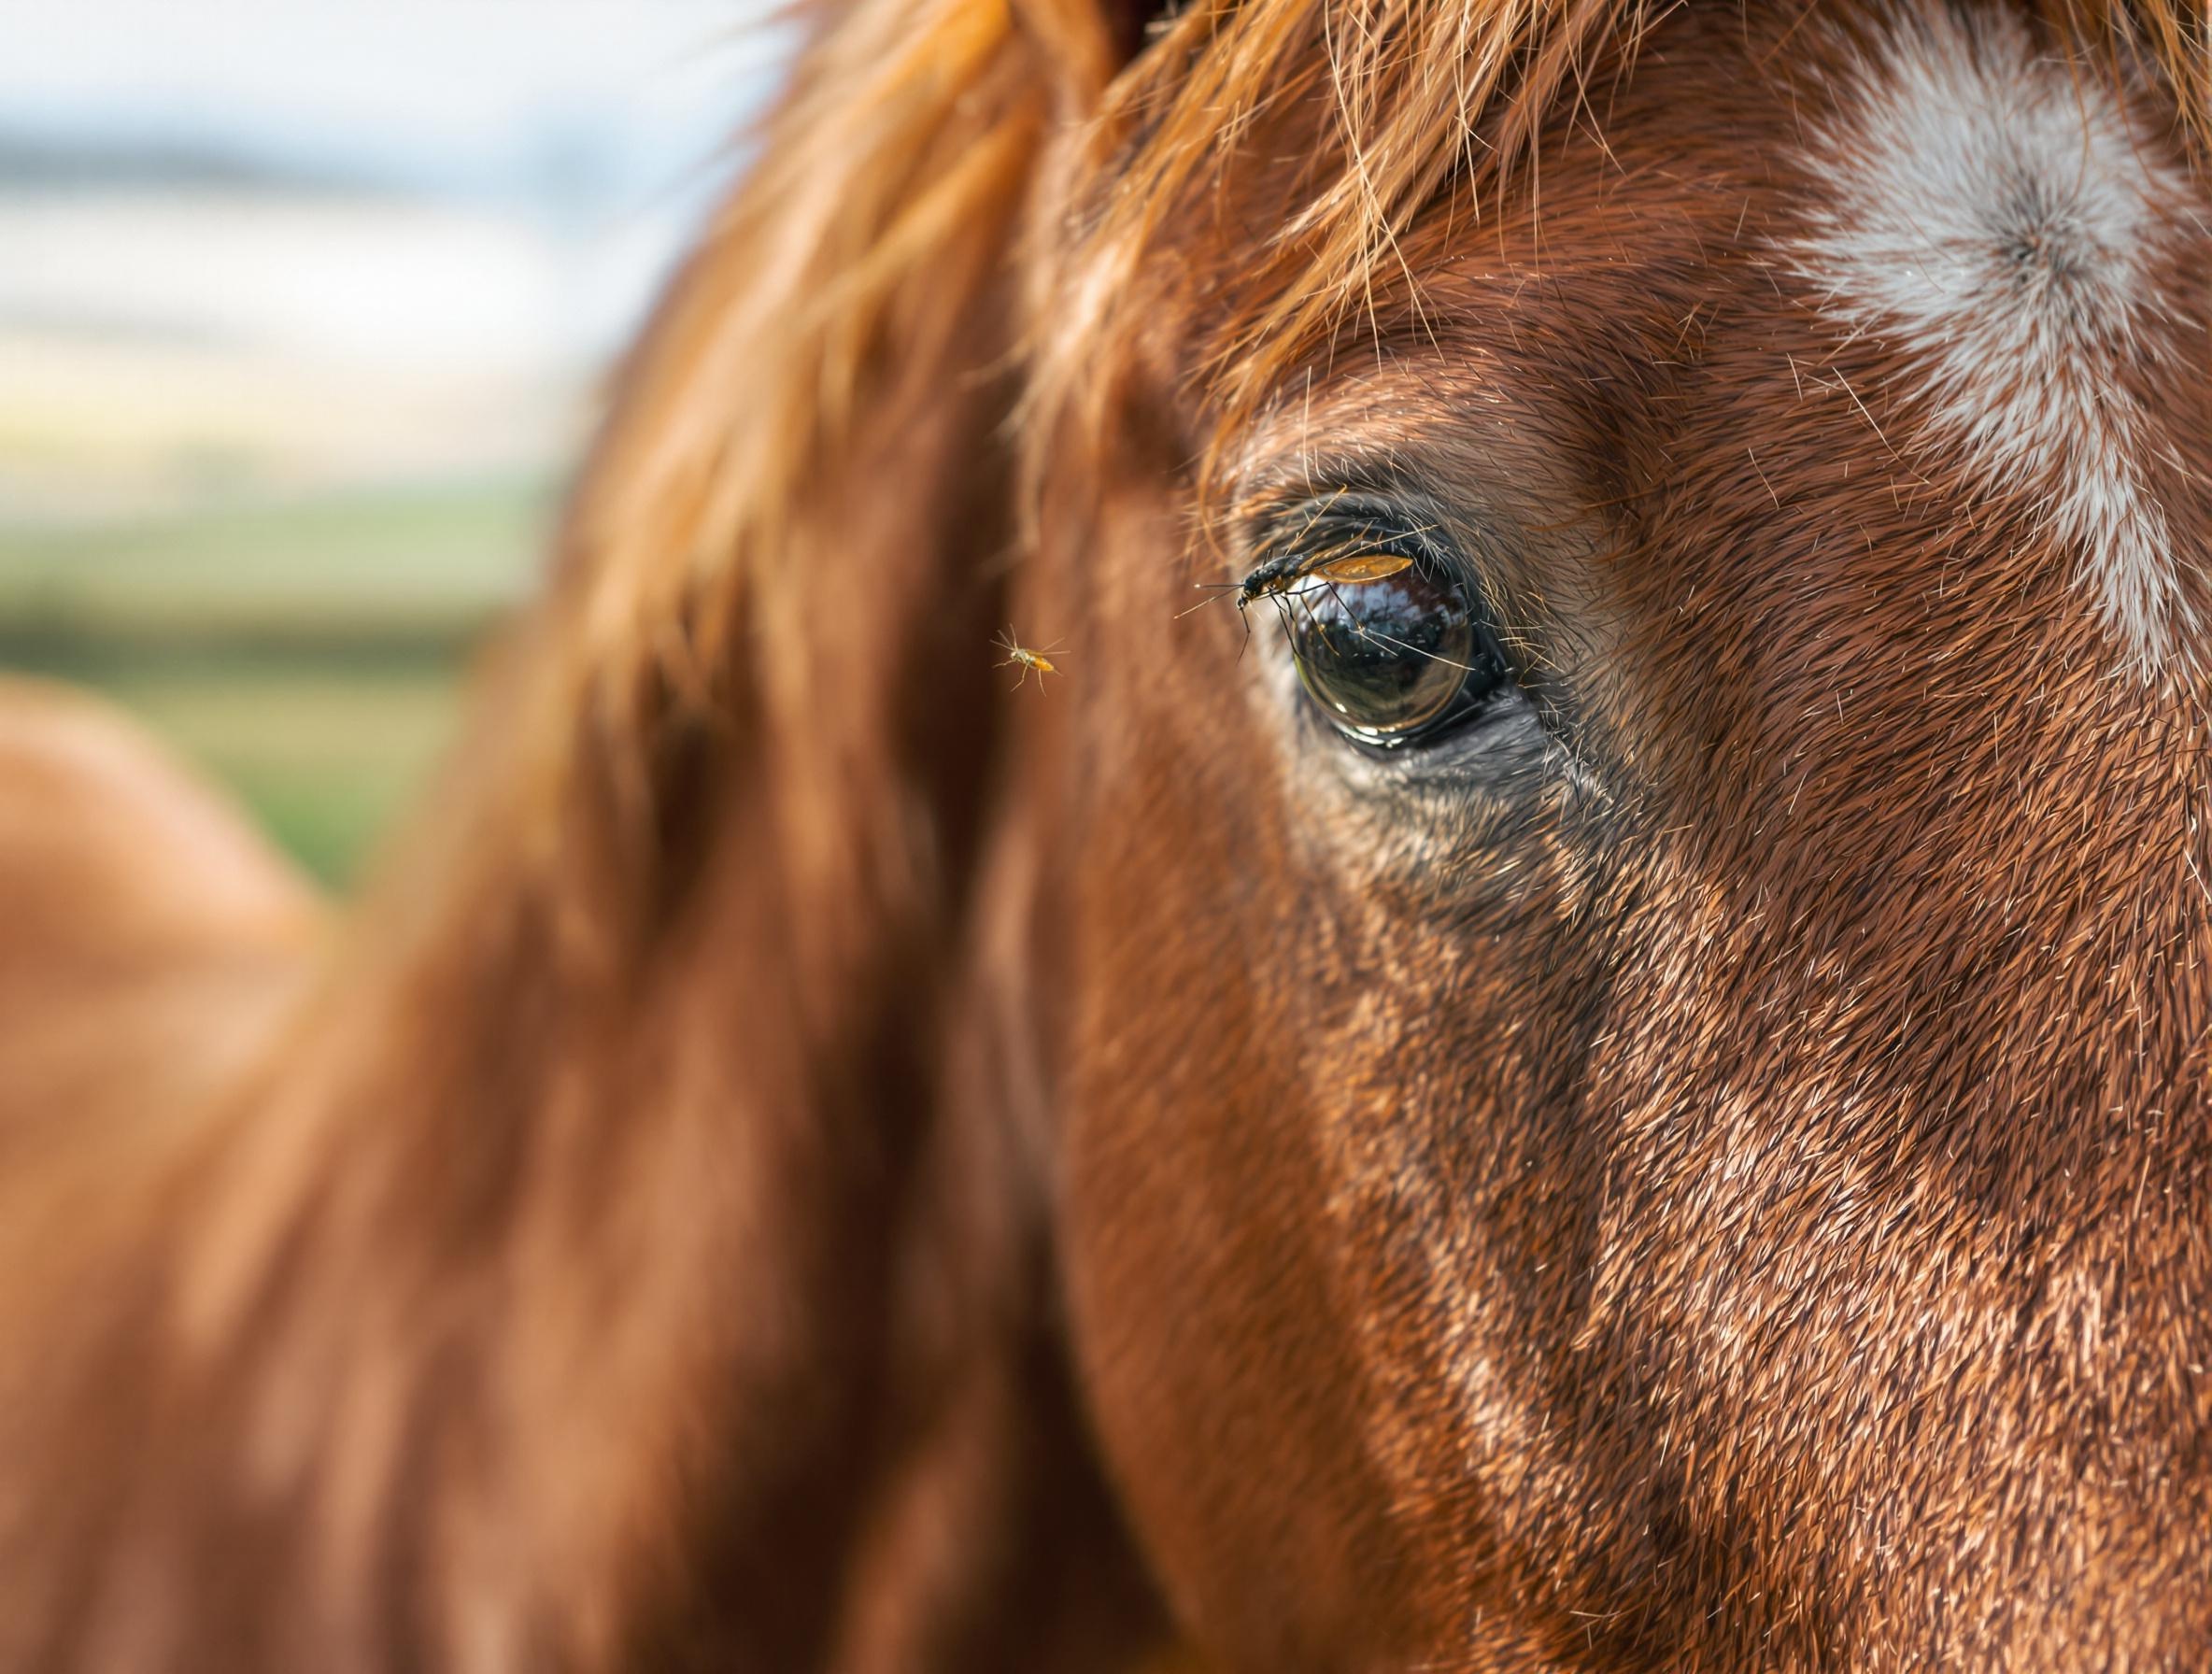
x: 1614, y: 1079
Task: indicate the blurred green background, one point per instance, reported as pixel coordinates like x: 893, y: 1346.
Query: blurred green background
x: 303, y: 313
x: 309, y: 652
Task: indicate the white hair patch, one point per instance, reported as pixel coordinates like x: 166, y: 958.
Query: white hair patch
x: 1994, y: 214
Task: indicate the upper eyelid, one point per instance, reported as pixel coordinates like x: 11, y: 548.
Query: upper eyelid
x: 1261, y: 502
x: 1266, y: 533
x: 1472, y: 543
x: 1271, y: 532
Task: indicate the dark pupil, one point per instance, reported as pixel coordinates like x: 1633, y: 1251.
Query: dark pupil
x: 1386, y: 658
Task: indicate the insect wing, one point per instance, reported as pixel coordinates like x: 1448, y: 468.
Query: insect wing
x: 1356, y: 567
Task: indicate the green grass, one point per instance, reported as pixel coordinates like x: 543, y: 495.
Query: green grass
x: 323, y: 757
x: 398, y: 562
x: 308, y: 654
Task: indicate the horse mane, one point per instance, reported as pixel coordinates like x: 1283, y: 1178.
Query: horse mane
x: 555, y: 1285
x: 590, y: 1247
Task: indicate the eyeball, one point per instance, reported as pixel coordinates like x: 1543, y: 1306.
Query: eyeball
x: 1396, y: 658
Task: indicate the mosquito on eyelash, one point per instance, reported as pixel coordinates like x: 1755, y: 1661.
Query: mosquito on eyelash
x: 1246, y: 590
x: 1355, y: 562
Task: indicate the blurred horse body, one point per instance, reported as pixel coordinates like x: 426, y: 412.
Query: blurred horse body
x: 147, y: 922
x: 1693, y: 1155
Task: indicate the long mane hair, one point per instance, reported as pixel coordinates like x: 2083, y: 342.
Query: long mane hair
x: 634, y: 1237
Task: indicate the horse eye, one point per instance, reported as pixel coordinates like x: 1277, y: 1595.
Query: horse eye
x: 1396, y: 658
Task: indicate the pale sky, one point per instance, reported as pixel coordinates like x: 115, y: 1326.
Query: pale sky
x: 451, y: 91
x: 553, y: 157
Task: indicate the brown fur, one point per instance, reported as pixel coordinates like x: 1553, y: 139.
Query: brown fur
x: 809, y: 1159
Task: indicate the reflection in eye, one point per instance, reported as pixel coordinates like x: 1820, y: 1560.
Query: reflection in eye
x: 1388, y: 644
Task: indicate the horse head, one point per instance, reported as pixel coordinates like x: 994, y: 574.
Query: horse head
x: 1569, y: 1033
